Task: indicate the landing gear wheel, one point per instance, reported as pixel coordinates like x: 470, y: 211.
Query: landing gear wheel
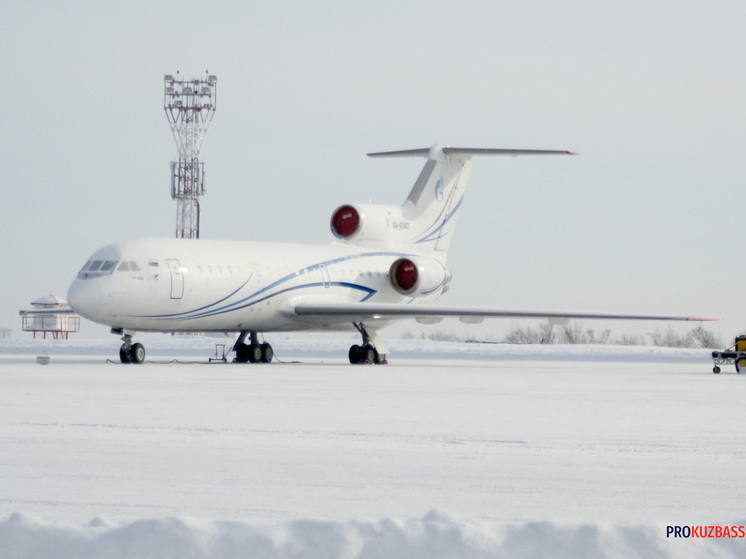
x: 255, y: 353
x: 137, y: 353
x: 354, y: 354
x: 267, y: 353
x: 740, y: 364
x: 368, y: 354
x: 124, y: 354
x: 716, y: 370
x: 364, y: 355
x: 242, y: 353
x: 132, y: 353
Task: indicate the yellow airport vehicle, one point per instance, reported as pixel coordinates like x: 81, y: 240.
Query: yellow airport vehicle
x: 735, y: 355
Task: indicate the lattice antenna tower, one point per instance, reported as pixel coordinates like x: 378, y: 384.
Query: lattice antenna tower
x: 190, y: 106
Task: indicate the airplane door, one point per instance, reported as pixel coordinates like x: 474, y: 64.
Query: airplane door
x: 177, y: 279
x: 325, y: 276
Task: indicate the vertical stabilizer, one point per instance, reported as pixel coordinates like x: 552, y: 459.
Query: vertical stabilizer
x: 435, y: 199
x: 433, y: 205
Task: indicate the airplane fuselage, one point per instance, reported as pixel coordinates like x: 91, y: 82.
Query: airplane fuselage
x: 199, y: 285
x: 387, y: 263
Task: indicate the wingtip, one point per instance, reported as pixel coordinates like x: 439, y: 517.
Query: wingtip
x: 701, y: 319
x: 568, y: 152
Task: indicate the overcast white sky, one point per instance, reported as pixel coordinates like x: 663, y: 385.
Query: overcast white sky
x: 653, y: 94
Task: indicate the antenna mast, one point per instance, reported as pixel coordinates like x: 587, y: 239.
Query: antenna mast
x: 190, y: 106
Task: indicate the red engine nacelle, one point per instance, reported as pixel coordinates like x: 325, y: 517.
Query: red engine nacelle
x: 372, y: 225
x: 404, y: 276
x: 345, y: 221
x: 420, y: 278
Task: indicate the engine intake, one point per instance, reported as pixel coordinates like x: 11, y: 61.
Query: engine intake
x: 372, y: 225
x: 404, y: 276
x: 418, y: 277
x: 345, y: 222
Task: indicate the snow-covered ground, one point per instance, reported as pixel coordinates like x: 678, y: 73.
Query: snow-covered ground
x: 452, y: 450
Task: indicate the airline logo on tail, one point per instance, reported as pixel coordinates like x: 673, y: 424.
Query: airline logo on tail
x: 439, y: 190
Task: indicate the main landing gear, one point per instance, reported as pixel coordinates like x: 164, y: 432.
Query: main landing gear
x: 253, y: 352
x: 131, y: 353
x: 367, y: 353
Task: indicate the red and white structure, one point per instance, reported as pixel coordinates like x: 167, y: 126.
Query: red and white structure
x: 50, y: 315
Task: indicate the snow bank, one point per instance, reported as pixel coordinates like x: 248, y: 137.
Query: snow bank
x: 434, y: 536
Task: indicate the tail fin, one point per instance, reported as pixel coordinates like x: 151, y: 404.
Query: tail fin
x: 433, y: 204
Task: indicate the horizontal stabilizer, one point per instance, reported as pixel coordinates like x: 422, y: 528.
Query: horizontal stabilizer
x: 424, y: 152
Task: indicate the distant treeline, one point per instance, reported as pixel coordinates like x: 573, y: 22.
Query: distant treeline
x: 575, y: 333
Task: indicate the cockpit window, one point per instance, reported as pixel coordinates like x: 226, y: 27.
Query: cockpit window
x: 128, y: 266
x: 96, y: 268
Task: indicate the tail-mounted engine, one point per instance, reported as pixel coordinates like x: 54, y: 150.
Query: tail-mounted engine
x: 418, y: 277
x: 371, y: 225
x: 345, y: 222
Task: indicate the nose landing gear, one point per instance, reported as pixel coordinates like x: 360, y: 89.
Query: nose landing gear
x: 131, y: 353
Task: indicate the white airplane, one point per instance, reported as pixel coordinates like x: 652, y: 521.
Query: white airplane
x: 386, y: 264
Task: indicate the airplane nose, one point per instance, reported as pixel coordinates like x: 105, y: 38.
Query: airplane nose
x: 83, y: 299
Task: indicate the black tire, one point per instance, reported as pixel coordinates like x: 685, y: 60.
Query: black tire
x: 242, y: 353
x: 267, y: 353
x: 368, y: 354
x: 124, y: 354
x: 716, y: 370
x: 137, y: 353
x: 255, y: 353
x: 355, y: 354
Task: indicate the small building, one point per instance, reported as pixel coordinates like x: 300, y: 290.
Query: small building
x: 50, y: 315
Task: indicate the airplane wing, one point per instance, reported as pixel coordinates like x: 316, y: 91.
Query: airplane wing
x: 362, y: 312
